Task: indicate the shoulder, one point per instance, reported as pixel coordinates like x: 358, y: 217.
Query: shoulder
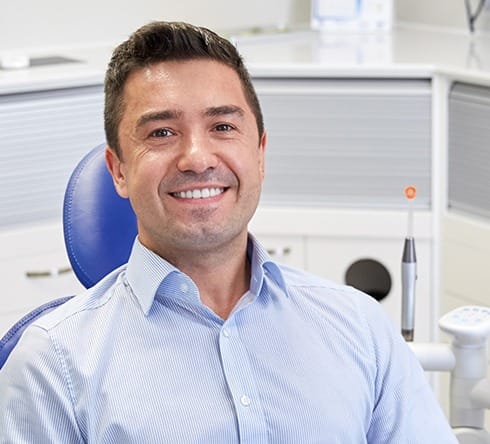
x: 66, y: 326
x: 90, y: 300
x: 349, y: 310
x: 302, y: 284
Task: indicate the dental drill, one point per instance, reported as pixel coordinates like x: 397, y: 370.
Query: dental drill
x: 409, y: 272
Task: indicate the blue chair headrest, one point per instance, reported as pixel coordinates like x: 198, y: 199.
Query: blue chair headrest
x: 99, y: 226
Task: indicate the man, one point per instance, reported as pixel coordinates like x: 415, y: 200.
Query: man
x: 201, y: 338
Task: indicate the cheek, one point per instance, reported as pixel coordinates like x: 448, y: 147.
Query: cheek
x: 144, y: 178
x: 253, y: 175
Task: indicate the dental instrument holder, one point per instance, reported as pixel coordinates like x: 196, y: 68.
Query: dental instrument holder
x: 466, y: 359
x: 469, y: 390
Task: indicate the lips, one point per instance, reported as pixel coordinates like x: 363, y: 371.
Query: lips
x: 199, y: 193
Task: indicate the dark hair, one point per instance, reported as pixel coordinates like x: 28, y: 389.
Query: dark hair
x: 168, y: 41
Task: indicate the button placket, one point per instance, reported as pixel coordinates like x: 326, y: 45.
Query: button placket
x: 240, y: 379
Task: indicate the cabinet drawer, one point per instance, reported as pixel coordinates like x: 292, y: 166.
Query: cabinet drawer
x: 466, y: 251
x: 468, y: 154
x: 44, y: 135
x: 346, y: 143
x: 34, y: 269
x: 287, y: 250
x: 31, y: 281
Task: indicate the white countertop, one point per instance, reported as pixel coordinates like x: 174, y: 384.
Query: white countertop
x: 89, y: 71
x: 406, y: 52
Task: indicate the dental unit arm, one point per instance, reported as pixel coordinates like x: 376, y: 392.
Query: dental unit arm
x: 465, y: 358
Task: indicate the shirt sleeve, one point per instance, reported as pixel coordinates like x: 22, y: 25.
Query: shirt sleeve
x: 406, y: 409
x: 35, y: 401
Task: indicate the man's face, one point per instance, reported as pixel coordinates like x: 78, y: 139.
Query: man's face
x: 191, y: 160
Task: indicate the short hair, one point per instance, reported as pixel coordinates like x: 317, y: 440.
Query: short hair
x: 168, y: 41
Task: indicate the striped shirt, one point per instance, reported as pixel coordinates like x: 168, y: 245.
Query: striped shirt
x: 139, y: 359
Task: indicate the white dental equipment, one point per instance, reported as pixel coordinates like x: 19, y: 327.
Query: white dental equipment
x: 465, y: 358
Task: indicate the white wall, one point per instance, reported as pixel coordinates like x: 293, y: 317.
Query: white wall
x: 443, y: 13
x: 41, y: 23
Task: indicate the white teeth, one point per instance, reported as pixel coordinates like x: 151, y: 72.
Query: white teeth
x: 199, y: 193
x: 205, y: 193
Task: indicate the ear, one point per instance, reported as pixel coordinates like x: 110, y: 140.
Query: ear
x: 117, y: 170
x: 262, y: 144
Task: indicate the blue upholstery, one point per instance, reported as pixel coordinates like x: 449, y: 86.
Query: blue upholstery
x: 99, y: 229
x: 99, y: 226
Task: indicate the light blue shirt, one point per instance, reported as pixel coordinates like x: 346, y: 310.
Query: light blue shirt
x: 139, y: 359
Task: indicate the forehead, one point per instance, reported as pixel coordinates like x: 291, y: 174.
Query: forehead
x: 176, y: 81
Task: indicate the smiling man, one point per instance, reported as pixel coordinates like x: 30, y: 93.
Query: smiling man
x: 190, y: 158
x: 201, y: 337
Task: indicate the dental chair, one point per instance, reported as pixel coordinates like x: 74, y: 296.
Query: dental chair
x: 99, y: 230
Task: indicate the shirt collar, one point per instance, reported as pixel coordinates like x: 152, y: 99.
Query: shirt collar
x: 261, y: 263
x: 146, y: 271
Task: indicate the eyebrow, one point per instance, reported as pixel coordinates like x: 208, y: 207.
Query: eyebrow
x: 168, y: 114
x: 224, y: 110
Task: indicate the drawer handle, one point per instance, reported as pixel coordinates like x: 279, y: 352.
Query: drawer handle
x: 285, y: 251
x: 48, y: 273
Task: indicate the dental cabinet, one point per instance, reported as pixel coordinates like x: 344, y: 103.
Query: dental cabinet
x: 43, y: 135
x: 466, y: 227
x: 351, y: 121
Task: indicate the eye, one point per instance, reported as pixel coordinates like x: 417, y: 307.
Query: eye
x: 223, y: 127
x: 161, y: 132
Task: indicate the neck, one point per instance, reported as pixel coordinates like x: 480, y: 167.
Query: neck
x: 220, y: 288
x: 222, y: 275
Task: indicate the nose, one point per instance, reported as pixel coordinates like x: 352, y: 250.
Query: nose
x: 197, y: 156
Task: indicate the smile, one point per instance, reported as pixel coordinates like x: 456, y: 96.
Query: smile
x: 202, y: 193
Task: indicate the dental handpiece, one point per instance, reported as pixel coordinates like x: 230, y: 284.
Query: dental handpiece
x: 409, y: 272
x: 409, y: 276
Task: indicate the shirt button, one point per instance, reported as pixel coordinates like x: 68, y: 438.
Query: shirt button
x: 184, y: 288
x: 245, y: 400
x: 226, y: 333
